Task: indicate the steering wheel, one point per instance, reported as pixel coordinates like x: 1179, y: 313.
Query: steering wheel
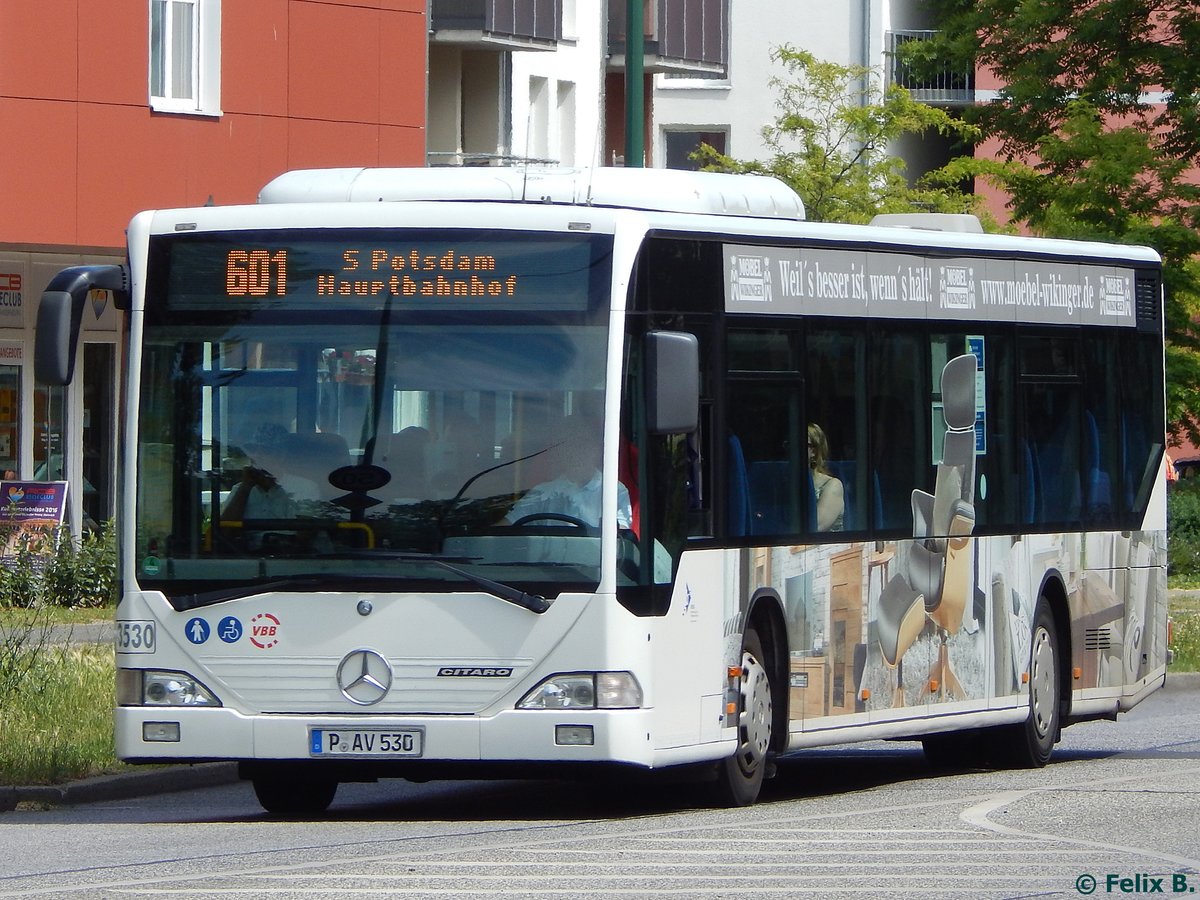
x: 552, y: 517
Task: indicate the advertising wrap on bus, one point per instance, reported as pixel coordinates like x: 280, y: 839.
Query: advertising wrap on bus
x: 817, y: 281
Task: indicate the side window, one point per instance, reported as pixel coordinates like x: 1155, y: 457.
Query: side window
x: 1050, y: 396
x: 835, y: 361
x: 899, y: 454
x: 668, y: 478
x: 1101, y: 425
x: 796, y: 425
x: 768, y: 487
x: 1005, y: 492
x: 185, y: 56
x: 1140, y: 427
x: 956, y: 438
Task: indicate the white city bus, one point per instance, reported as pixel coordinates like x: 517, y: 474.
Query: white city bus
x: 443, y: 473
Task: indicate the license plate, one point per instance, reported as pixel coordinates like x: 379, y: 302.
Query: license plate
x: 384, y: 743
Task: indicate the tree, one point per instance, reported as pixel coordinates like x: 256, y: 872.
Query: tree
x: 830, y: 143
x: 1098, y: 131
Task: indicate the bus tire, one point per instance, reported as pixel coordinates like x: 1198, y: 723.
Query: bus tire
x: 740, y: 776
x: 1029, y: 744
x: 953, y: 751
x: 286, y: 793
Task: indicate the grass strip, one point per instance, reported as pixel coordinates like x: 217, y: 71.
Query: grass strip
x: 57, y: 724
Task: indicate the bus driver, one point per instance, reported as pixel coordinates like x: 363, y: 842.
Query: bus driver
x: 575, y: 491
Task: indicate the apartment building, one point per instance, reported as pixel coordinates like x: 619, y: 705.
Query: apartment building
x: 728, y: 108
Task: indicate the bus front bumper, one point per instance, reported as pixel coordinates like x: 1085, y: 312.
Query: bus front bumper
x: 165, y: 734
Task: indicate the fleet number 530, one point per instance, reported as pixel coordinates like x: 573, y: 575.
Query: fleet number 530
x: 135, y: 637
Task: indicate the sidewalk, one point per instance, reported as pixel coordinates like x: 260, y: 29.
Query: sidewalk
x: 122, y: 786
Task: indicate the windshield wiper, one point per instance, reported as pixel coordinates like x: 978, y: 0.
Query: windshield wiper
x: 208, y: 598
x: 532, y: 602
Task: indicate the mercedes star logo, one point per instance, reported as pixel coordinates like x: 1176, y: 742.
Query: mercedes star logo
x: 364, y: 677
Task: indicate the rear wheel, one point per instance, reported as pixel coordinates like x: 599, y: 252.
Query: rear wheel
x: 1030, y: 744
x: 293, y: 793
x: 740, y: 777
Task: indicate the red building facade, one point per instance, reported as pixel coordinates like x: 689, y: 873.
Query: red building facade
x: 114, y: 107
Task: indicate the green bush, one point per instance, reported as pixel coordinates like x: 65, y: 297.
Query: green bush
x: 54, y: 569
x: 1183, y: 528
x: 40, y: 570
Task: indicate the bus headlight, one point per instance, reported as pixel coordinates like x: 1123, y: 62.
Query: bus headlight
x: 585, y: 690
x: 150, y: 687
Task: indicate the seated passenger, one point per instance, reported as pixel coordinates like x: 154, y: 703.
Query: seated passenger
x: 831, y: 504
x: 259, y: 495
x: 575, y: 490
x: 407, y: 460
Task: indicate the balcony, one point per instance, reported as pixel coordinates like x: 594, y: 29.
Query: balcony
x: 496, y: 24
x: 689, y: 37
x: 945, y: 87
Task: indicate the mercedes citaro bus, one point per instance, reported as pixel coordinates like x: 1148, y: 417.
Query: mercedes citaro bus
x: 459, y: 472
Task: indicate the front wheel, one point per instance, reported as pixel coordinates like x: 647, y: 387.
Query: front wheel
x: 740, y: 777
x: 1029, y: 744
x: 294, y: 793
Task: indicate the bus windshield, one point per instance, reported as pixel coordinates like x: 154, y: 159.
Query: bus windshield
x: 331, y: 437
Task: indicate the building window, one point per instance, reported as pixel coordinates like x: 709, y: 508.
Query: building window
x: 680, y: 145
x: 185, y: 56
x: 10, y: 410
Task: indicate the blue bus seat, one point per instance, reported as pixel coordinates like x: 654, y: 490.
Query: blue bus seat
x: 739, y: 490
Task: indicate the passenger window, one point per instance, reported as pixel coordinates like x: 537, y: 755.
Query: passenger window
x: 1051, y: 402
x: 837, y: 427
x: 899, y: 435
x: 769, y: 486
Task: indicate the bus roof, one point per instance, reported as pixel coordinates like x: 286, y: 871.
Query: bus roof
x: 665, y: 190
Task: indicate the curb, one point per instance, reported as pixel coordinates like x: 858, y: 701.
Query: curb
x: 122, y: 786
x: 172, y: 778
x: 1184, y: 681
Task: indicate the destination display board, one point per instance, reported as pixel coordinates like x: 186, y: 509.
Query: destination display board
x: 368, y: 269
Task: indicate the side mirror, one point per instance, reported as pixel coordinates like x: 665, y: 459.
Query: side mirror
x: 672, y: 382
x: 60, y: 313
x: 54, y: 340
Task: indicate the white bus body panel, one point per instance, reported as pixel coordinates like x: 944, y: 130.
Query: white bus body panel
x: 825, y: 593
x: 273, y: 693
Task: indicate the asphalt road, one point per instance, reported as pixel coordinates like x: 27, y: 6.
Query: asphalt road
x: 1115, y: 810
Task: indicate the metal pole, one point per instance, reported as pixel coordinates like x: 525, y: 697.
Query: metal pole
x: 635, y: 66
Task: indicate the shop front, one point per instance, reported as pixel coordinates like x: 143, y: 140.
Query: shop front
x: 60, y: 433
